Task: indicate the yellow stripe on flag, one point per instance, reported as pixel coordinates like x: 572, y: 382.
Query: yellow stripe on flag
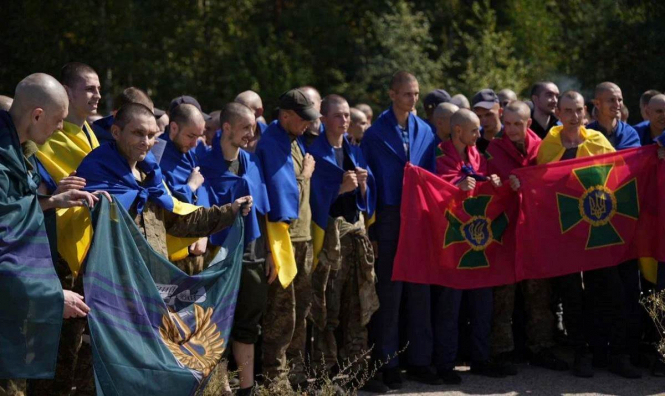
x: 282, y: 252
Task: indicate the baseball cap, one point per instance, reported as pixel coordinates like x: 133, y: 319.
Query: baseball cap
x: 435, y: 98
x: 485, y: 98
x: 297, y: 101
x: 187, y: 100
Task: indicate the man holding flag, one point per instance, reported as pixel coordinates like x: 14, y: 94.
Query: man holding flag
x: 288, y: 169
x: 343, y: 282
x: 31, y: 312
x: 462, y: 164
x: 518, y: 148
x: 395, y: 138
x: 233, y: 174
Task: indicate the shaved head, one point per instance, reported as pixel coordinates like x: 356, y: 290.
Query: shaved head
x: 463, y: 117
x: 39, y: 108
x: 520, y: 108
x: 233, y: 112
x: 400, y: 78
x: 330, y: 101
x: 132, y: 95
x: 186, y: 114
x: 357, y: 115
x: 445, y: 110
x: 39, y: 90
x: 569, y: 95
x: 365, y: 108
x: 252, y: 100
x: 657, y: 100
x: 460, y: 101
x: 312, y: 93
x: 5, y: 102
x: 604, y: 87
x: 506, y: 96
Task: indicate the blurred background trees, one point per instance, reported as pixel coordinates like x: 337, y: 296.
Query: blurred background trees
x: 213, y: 49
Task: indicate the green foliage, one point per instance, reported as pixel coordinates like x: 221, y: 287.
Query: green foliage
x: 213, y: 49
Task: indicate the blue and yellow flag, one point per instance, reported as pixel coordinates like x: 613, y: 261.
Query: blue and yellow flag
x: 31, y: 304
x: 224, y: 187
x: 105, y: 169
x: 274, y: 150
x: 326, y: 182
x: 176, y: 167
x: 154, y: 329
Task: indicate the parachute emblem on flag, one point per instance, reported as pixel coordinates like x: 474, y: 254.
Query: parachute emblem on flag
x: 198, y: 350
x: 478, y: 231
x: 598, y: 205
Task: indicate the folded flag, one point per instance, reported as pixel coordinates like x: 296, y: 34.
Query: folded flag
x: 155, y: 330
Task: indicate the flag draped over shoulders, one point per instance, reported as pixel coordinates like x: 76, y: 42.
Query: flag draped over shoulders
x: 622, y: 137
x: 153, y: 329
x: 106, y: 169
x: 503, y: 156
x: 551, y: 149
x: 32, y: 300
x: 176, y: 167
x: 58, y: 158
x: 326, y: 182
x: 274, y: 152
x: 452, y: 168
x: 383, y: 149
x: 224, y: 186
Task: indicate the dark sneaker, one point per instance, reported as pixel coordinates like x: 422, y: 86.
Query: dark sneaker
x: 582, y: 367
x: 373, y: 385
x: 450, y: 377
x: 424, y: 375
x: 392, y: 378
x: 545, y: 358
x: 487, y: 369
x: 505, y: 362
x: 620, y: 365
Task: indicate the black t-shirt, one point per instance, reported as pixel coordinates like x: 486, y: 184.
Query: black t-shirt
x: 539, y: 130
x: 570, y: 153
x: 345, y: 204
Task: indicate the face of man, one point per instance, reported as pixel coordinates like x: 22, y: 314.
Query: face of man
x: 44, y: 122
x: 137, y: 138
x: 241, y: 133
x: 547, y: 99
x: 490, y: 119
x: 469, y: 132
x: 211, y: 127
x: 608, y: 104
x: 338, y: 119
x: 442, y: 125
x: 162, y: 122
x: 405, y: 96
x: 571, y: 112
x: 515, y: 126
x: 656, y: 112
x: 186, y: 136
x: 294, y: 124
x: 84, y: 96
x: 357, y: 129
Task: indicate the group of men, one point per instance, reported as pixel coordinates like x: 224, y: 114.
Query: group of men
x: 320, y: 188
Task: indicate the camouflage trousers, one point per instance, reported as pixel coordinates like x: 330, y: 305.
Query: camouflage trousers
x: 285, y: 321
x: 12, y: 387
x: 344, y: 313
x: 539, y: 317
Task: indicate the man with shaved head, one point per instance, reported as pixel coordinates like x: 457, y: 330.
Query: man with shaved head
x: 614, y: 291
x: 5, y: 102
x: 316, y: 127
x: 655, y: 126
x: 462, y: 164
x: 506, y: 96
x: 517, y: 148
x: 644, y: 102
x: 34, y: 316
x: 567, y: 141
x: 441, y: 119
x: 460, y: 101
x: 102, y: 127
x: 230, y: 171
x: 358, y: 126
x: 608, y: 100
x: 398, y: 136
x: 367, y: 109
x: 544, y: 95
